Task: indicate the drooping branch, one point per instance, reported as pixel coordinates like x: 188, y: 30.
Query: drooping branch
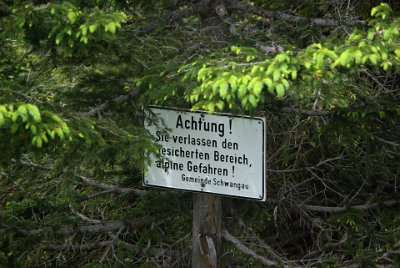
x: 241, y: 247
x: 236, y: 5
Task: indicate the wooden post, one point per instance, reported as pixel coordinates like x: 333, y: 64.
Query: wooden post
x: 206, y: 234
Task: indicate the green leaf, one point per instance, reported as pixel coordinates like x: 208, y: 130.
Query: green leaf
x: 257, y: 88
x: 294, y: 74
x: 34, y: 112
x: 92, y: 28
x: 233, y: 83
x: 253, y: 101
x: 23, y: 113
x: 14, y: 128
x: 280, y: 91
x: 14, y: 116
x: 277, y: 75
x: 223, y: 89
x: 33, y: 129
x: 242, y: 91
x: 60, y: 133
x: 71, y: 16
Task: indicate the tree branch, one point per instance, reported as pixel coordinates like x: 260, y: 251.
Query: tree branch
x: 108, y: 226
x: 175, y: 15
x: 4, y: 11
x: 110, y: 188
x: 83, y: 247
x: 239, y: 246
x: 316, y: 208
x: 100, y: 185
x: 104, y: 106
x: 288, y: 110
x: 235, y: 5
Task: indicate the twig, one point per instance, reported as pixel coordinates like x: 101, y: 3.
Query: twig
x: 104, y: 106
x: 235, y: 5
x: 102, y: 227
x: 239, y: 245
x: 106, y: 187
x: 83, y: 247
x: 113, y: 238
x: 304, y: 112
x: 31, y: 164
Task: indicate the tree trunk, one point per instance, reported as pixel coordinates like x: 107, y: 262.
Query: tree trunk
x: 206, y: 231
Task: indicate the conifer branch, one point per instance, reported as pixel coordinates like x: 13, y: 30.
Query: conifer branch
x: 235, y: 5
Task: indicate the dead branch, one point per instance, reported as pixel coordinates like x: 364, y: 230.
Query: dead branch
x: 31, y: 164
x: 270, y: 49
x: 108, y: 226
x: 100, y: 185
x: 174, y: 16
x: 235, y: 5
x: 104, y: 106
x: 239, y: 245
x: 83, y: 247
x: 110, y: 188
x: 288, y: 110
x: 317, y: 208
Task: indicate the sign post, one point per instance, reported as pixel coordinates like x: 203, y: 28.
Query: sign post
x: 210, y: 155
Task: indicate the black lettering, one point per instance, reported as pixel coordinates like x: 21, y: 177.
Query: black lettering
x: 179, y: 122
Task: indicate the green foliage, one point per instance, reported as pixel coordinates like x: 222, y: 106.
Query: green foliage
x: 331, y: 100
x: 24, y: 125
x: 67, y: 25
x: 296, y: 74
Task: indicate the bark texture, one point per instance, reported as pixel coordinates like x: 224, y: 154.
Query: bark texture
x: 206, y: 233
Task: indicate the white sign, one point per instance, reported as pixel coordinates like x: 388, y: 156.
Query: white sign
x: 211, y: 153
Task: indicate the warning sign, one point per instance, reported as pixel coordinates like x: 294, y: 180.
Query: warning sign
x: 213, y: 153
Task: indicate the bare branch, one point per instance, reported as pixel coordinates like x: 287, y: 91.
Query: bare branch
x: 239, y: 245
x: 175, y: 15
x: 270, y: 49
x: 120, y: 99
x: 83, y: 247
x: 100, y: 185
x: 288, y: 110
x: 110, y: 188
x: 31, y: 164
x: 108, y: 226
x: 235, y: 5
x: 316, y: 208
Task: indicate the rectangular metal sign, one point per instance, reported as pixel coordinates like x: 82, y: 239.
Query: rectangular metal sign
x: 212, y: 153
